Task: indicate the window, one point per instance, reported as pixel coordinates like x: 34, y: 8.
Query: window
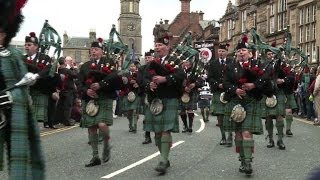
x: 308, y: 14
x: 307, y: 33
x: 272, y: 29
x: 230, y: 28
x: 314, y: 13
x: 313, y: 52
x: 282, y: 14
x: 301, y: 34
x: 313, y: 37
x: 301, y: 17
x: 77, y: 56
x: 131, y: 7
x: 272, y: 19
x: 243, y: 21
x: 307, y: 50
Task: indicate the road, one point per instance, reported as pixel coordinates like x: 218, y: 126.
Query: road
x: 195, y: 156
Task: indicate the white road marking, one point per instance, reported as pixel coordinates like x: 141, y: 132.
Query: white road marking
x: 196, y: 114
x: 202, y: 125
x: 138, y: 163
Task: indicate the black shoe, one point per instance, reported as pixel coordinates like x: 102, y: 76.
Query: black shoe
x: 289, y: 133
x: 147, y: 140
x: 281, y: 145
x: 185, y: 130
x: 162, y: 167
x: 93, y: 162
x: 270, y: 144
x: 53, y: 127
x: 131, y: 129
x: 190, y: 130
x: 247, y: 168
x: 106, y: 154
x: 229, y: 142
x: 223, y: 141
x: 45, y: 125
x: 241, y: 168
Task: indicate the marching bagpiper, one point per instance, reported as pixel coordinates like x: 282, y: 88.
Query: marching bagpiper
x: 98, y: 83
x: 244, y: 86
x: 163, y: 87
x: 130, y: 97
x: 19, y: 131
x: 216, y: 74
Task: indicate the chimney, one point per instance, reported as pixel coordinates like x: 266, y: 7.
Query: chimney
x: 92, y: 35
x: 185, y: 6
x: 166, y: 21
x: 201, y: 16
x: 65, y: 38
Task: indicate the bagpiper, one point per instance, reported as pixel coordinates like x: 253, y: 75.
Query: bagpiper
x: 40, y: 64
x: 19, y: 130
x: 244, y: 86
x: 274, y: 106
x: 216, y: 74
x: 163, y: 87
x: 130, y: 97
x: 98, y: 83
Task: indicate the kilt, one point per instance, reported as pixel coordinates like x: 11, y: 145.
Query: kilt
x: 217, y: 107
x: 103, y: 116
x: 252, y: 121
x: 291, y: 102
x: 278, y: 110
x: 40, y: 105
x: 203, y: 103
x: 126, y: 105
x: 167, y: 120
x: 191, y: 105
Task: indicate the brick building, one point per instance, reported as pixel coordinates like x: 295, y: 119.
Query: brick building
x: 271, y: 18
x: 186, y: 21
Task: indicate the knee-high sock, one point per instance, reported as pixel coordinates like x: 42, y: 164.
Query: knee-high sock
x: 134, y: 119
x: 157, y: 140
x: 280, y: 125
x: 238, y: 143
x: 269, y: 128
x: 166, y: 142
x: 190, y: 116
x: 147, y: 134
x: 247, y: 146
x: 130, y: 119
x: 220, y: 122
x: 206, y: 110
x: 202, y: 114
x: 106, y: 144
x: 184, y: 120
x: 93, y: 139
x: 289, y: 119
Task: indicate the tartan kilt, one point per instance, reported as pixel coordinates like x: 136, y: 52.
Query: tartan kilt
x: 126, y: 105
x: 40, y: 105
x: 291, y: 102
x: 104, y: 114
x: 252, y: 121
x: 167, y: 120
x: 278, y: 110
x: 204, y: 103
x: 191, y: 105
x: 217, y: 107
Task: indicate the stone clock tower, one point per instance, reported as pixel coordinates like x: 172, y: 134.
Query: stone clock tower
x: 130, y: 24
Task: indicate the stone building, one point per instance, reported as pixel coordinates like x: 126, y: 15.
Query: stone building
x: 186, y: 21
x: 78, y: 47
x: 271, y: 18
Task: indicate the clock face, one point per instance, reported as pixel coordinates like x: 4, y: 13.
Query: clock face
x: 131, y: 27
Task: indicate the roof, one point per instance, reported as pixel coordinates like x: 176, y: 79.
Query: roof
x: 78, y: 42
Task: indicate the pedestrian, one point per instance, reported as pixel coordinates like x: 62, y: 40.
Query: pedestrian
x: 164, y: 84
x: 19, y: 131
x: 316, y: 97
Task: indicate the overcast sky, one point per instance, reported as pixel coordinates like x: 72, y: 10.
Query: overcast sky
x: 77, y: 17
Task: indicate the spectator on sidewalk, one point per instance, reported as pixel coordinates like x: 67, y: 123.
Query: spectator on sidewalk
x: 316, y: 97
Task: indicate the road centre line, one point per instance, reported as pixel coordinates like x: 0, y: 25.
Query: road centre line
x: 138, y: 163
x: 57, y: 130
x: 202, y: 126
